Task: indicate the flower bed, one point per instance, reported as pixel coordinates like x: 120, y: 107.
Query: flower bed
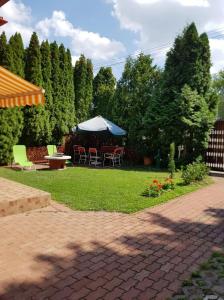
x: 156, y: 188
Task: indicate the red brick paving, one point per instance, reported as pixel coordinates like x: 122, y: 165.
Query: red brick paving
x: 56, y: 253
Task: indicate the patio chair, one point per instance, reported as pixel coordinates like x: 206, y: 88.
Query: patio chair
x: 94, y: 159
x: 51, y: 149
x: 115, y: 157
x: 20, y: 157
x: 76, y: 153
x: 82, y: 155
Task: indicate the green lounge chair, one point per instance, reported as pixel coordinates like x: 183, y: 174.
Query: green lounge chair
x: 19, y: 153
x: 51, y: 149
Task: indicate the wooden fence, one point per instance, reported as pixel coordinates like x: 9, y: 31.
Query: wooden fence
x: 215, y: 151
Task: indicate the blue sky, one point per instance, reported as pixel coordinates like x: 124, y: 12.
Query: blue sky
x: 108, y: 30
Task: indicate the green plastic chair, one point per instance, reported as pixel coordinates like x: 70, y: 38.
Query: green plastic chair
x: 19, y: 153
x: 51, y: 149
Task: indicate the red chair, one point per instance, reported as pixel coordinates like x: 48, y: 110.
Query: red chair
x: 76, y: 152
x: 116, y: 157
x: 82, y: 155
x: 94, y: 159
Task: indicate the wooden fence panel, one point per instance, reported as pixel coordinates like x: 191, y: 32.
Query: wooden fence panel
x: 215, y: 151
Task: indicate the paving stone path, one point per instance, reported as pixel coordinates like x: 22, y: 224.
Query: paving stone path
x: 56, y: 253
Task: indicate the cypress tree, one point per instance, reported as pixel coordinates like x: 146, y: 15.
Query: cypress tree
x: 11, y: 124
x: 46, y: 74
x: 63, y: 104
x: 11, y: 119
x: 89, y: 87
x: 6, y: 57
x: 18, y: 53
x: 70, y: 85
x: 103, y: 92
x: 83, y: 85
x: 36, y: 130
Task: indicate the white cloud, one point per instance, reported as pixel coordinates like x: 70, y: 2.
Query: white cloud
x: 217, y: 47
x: 19, y: 19
x: 157, y: 22
x: 91, y: 44
x: 57, y: 27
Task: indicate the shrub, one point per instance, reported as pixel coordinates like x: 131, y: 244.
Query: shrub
x: 196, y: 171
x: 171, y: 164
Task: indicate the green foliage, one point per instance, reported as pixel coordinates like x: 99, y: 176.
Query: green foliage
x: 186, y: 82
x: 36, y: 129
x: 46, y: 74
x: 11, y: 124
x: 196, y: 121
x: 132, y: 98
x: 18, y: 53
x: 6, y: 56
x: 83, y: 86
x: 218, y: 84
x: 103, y: 92
x: 197, y: 171
x: 33, y: 61
x: 171, y: 164
x: 64, y: 103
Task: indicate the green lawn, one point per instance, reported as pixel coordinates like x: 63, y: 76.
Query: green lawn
x: 99, y: 189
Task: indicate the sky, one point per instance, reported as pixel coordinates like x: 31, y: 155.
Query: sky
x: 107, y: 31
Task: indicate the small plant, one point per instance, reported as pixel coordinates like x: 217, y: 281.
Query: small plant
x: 197, y: 171
x: 171, y: 164
x: 168, y: 184
x: 155, y: 189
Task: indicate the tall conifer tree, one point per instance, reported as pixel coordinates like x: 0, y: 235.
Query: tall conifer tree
x: 187, y: 78
x: 103, y: 92
x: 11, y: 119
x: 83, y: 84
x: 6, y: 57
x: 18, y: 53
x: 36, y: 126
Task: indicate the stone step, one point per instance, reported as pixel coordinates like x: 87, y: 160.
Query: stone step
x: 18, y: 198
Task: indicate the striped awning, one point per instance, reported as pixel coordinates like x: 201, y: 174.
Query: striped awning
x: 15, y: 91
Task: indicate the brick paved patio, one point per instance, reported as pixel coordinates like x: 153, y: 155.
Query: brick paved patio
x: 56, y: 253
x: 16, y: 198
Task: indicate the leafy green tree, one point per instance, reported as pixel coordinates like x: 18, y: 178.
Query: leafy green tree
x: 218, y: 84
x: 196, y: 120
x: 11, y: 124
x: 104, y: 85
x: 46, y: 69
x: 132, y: 98
x: 18, y: 53
x: 36, y: 118
x: 64, y: 103
x: 70, y: 84
x: 6, y: 56
x: 83, y: 77
x: 188, y: 63
x: 11, y: 119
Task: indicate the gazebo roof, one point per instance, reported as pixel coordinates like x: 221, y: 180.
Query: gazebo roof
x: 99, y: 124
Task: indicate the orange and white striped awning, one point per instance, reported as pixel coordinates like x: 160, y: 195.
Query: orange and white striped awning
x: 15, y: 91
